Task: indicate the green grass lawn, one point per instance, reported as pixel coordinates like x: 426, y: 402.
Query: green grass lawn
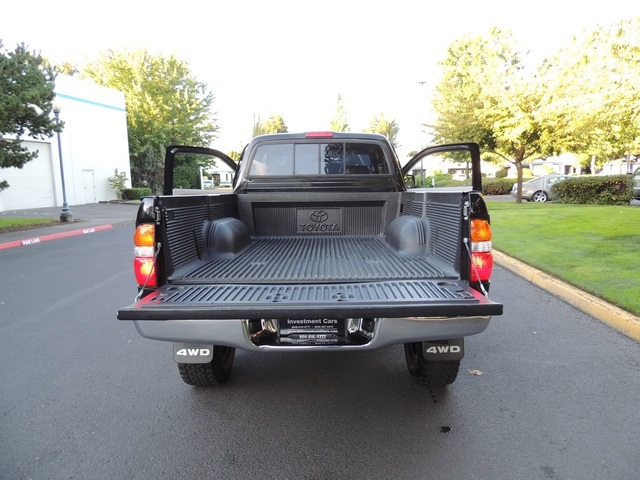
x: 9, y: 224
x: 596, y: 248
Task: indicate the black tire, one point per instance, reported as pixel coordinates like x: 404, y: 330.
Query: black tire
x: 540, y: 196
x: 430, y: 374
x: 216, y: 372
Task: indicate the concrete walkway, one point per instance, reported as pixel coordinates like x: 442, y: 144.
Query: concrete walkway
x: 101, y: 216
x: 87, y: 219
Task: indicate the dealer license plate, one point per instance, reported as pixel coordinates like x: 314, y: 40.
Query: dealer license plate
x: 311, y: 331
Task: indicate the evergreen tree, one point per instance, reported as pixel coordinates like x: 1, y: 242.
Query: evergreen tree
x: 26, y: 102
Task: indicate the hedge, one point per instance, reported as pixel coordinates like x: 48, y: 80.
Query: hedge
x: 499, y: 186
x: 135, y: 193
x: 595, y: 190
x: 490, y: 186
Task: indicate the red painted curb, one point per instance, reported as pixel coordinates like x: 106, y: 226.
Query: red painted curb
x: 53, y: 236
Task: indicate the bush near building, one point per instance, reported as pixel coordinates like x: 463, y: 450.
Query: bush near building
x: 135, y: 193
x: 594, y: 190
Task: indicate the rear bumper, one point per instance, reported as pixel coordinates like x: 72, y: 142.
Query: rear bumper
x: 386, y: 331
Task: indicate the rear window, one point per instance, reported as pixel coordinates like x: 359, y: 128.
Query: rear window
x: 319, y: 159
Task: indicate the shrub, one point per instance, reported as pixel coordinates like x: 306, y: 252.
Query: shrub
x: 500, y: 186
x: 135, y: 193
x: 453, y: 183
x: 607, y: 190
x: 118, y: 182
x: 437, y: 180
x: 502, y: 173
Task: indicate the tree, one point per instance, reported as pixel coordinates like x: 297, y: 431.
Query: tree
x: 149, y: 167
x: 593, y: 98
x: 26, y: 101
x: 486, y: 96
x: 273, y: 124
x: 234, y: 155
x: 118, y: 182
x: 66, y: 68
x: 339, y: 122
x: 388, y: 128
x: 165, y: 105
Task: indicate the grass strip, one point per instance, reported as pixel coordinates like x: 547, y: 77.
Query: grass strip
x: 594, y: 247
x: 11, y: 224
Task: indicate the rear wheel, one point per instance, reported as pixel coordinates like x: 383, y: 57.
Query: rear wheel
x: 540, y: 196
x: 216, y: 372
x: 429, y: 373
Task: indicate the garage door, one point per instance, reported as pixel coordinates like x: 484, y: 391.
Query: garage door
x: 32, y: 185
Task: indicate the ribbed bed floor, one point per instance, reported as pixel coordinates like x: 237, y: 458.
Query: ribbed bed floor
x: 307, y: 259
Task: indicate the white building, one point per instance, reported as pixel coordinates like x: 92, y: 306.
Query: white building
x: 94, y: 144
x: 221, y: 174
x: 621, y: 166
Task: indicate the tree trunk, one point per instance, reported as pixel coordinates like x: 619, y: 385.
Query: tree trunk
x: 519, y: 157
x: 519, y: 181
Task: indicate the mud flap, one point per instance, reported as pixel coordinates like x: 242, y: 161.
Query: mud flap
x: 443, y: 350
x: 192, y: 353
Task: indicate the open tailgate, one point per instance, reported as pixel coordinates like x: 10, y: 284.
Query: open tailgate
x: 388, y: 299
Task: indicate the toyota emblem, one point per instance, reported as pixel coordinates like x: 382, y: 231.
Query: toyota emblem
x: 318, y: 216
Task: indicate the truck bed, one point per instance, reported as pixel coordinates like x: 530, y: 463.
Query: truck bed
x: 311, y: 260
x: 390, y: 255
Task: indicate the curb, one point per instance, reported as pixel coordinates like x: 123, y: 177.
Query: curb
x: 621, y: 320
x: 53, y: 236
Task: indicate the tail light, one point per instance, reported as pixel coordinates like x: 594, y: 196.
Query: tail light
x: 145, y: 255
x: 481, y: 256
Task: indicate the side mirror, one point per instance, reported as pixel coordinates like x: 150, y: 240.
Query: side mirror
x: 410, y: 181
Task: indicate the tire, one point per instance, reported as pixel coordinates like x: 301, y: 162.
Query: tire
x: 216, y: 372
x: 540, y: 196
x: 430, y: 374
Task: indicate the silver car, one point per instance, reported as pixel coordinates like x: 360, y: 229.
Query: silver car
x: 636, y: 184
x: 538, y: 189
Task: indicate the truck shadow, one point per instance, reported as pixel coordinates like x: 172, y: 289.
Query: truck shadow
x: 328, y: 402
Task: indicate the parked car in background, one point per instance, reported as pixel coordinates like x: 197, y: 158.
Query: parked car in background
x: 538, y: 189
x: 636, y: 184
x: 207, y: 184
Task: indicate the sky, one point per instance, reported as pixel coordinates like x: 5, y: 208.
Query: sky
x: 294, y: 58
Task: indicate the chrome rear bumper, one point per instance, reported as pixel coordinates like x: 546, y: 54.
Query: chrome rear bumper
x: 379, y: 332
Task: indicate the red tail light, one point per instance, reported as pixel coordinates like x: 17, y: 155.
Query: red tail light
x: 145, y: 271
x: 481, y: 256
x: 144, y: 261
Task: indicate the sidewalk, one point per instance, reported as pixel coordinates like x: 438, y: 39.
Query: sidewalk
x: 87, y: 219
x: 102, y: 216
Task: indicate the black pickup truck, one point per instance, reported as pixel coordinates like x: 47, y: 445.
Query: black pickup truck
x: 320, y: 245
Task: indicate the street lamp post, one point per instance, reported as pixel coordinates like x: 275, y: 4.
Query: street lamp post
x: 67, y: 214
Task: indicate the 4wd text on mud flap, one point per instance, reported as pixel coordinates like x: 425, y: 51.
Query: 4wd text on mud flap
x: 443, y: 349
x: 190, y: 352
